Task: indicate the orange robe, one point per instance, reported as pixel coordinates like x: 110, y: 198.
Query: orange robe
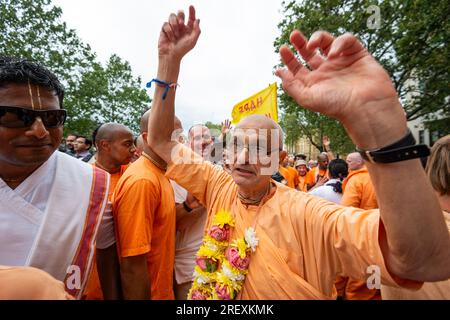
x: 144, y: 212
x: 291, y: 176
x: 359, y: 193
x: 93, y: 288
x: 304, y: 241
x: 302, y: 183
x: 314, y: 175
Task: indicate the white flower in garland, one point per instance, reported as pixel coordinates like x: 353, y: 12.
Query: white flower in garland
x: 201, y: 278
x: 211, y: 246
x: 251, y: 239
x: 231, y: 275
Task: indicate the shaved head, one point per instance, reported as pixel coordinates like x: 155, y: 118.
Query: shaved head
x: 144, y: 122
x: 355, y: 161
x: 110, y: 131
x: 257, y: 121
x: 115, y: 146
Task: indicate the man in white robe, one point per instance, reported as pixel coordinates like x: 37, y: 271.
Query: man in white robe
x: 51, y: 205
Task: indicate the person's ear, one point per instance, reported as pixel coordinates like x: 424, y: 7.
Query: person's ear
x: 144, y: 137
x: 105, y: 145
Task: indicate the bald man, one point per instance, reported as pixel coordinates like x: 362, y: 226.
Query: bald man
x: 303, y: 241
x: 115, y: 149
x: 139, y: 145
x: 144, y: 211
x: 358, y: 192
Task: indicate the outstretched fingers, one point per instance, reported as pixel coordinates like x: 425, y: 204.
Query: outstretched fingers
x: 345, y: 45
x: 192, y: 19
x: 321, y: 40
x: 291, y: 62
x: 299, y: 41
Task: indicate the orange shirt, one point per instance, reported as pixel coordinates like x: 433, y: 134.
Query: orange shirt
x: 93, y: 289
x: 291, y: 176
x: 359, y: 191
x: 304, y: 241
x: 314, y: 175
x: 144, y: 212
x: 302, y: 183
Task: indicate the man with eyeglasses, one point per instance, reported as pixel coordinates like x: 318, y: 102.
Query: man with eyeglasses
x: 302, y: 242
x: 42, y: 223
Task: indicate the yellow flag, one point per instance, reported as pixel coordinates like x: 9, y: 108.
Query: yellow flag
x: 263, y: 102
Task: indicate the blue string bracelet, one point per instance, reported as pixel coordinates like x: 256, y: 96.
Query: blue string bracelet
x: 164, y: 84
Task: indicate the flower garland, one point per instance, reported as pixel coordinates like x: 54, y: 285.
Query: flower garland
x: 221, y: 267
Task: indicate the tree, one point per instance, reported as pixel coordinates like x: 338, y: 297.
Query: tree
x: 94, y: 94
x: 411, y: 42
x: 109, y: 94
x: 214, y: 128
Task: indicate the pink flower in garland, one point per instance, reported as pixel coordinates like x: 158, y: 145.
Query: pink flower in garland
x: 223, y: 292
x: 197, y: 295
x: 207, y: 264
x: 220, y: 234
x: 235, y: 260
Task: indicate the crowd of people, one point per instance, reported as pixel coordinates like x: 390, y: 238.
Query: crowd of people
x: 161, y: 216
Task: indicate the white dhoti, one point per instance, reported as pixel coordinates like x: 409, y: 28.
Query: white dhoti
x: 51, y: 220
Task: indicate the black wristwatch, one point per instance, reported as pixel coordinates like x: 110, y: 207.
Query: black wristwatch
x: 404, y: 149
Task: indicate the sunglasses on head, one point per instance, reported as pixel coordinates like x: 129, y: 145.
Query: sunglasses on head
x: 17, y: 117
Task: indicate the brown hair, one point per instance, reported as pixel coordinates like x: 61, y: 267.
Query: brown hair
x: 438, y: 166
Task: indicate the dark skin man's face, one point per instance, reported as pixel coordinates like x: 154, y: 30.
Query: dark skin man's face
x: 32, y: 145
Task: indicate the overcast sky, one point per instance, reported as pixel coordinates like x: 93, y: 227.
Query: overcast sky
x: 233, y: 59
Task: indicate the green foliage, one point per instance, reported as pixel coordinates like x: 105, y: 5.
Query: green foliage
x: 215, y: 129
x: 94, y: 94
x: 109, y: 94
x: 411, y: 44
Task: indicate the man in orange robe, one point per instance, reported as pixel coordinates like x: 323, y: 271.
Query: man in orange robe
x: 358, y: 192
x: 318, y: 172
x: 302, y: 168
x: 144, y: 211
x: 115, y: 149
x: 304, y: 242
x: 288, y: 173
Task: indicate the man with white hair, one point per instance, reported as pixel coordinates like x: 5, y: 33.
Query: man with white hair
x: 267, y: 241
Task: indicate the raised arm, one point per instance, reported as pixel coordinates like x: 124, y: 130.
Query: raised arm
x: 345, y: 82
x: 176, y: 39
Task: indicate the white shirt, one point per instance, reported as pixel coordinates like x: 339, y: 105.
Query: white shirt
x: 14, y: 247
x: 29, y: 201
x: 326, y: 192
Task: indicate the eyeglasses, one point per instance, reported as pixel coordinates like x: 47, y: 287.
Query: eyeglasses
x: 17, y: 117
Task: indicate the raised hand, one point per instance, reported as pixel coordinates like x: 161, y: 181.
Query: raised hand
x: 177, y: 38
x: 226, y: 126
x: 345, y: 82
